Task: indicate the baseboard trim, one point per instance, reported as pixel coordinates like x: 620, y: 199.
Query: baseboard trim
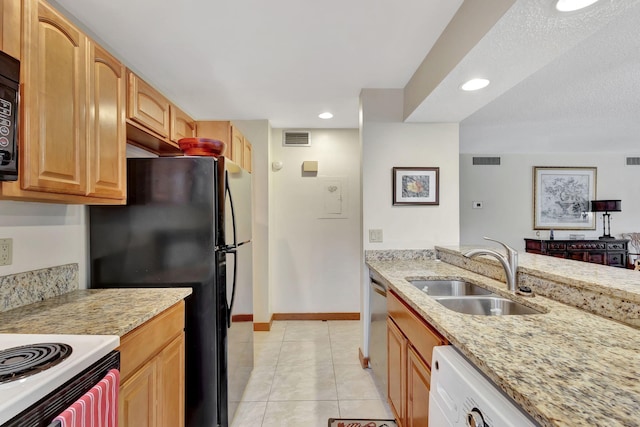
x: 364, y: 361
x: 316, y: 316
x: 242, y: 318
x: 263, y: 326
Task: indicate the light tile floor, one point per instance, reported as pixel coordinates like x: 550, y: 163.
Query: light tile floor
x: 307, y: 372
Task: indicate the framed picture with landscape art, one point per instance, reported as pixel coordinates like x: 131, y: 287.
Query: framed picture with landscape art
x: 561, y: 197
x: 415, y: 186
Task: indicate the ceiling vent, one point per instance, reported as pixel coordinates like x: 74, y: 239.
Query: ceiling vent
x: 633, y: 161
x: 491, y: 161
x: 296, y: 139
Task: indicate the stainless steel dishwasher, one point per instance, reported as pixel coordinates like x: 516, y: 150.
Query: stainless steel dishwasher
x: 378, y: 331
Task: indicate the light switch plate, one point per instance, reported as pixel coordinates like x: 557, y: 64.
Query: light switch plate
x: 6, y: 251
x: 476, y: 205
x: 375, y: 235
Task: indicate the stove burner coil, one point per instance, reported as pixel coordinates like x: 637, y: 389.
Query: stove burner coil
x: 26, y: 360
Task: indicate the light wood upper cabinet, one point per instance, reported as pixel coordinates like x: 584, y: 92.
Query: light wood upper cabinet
x: 238, y: 148
x: 72, y: 141
x: 247, y: 155
x: 107, y: 139
x: 53, y: 145
x: 10, y: 11
x: 147, y: 107
x: 182, y: 126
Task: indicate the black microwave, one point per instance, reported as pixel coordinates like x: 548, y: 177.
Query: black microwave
x: 9, y: 101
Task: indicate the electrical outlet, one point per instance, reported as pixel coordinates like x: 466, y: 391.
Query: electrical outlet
x: 375, y: 235
x: 6, y: 251
x: 476, y: 205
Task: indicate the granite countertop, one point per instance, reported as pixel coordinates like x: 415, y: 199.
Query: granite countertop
x: 91, y: 311
x: 565, y: 367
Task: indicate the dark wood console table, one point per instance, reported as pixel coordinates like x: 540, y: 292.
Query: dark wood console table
x: 608, y: 252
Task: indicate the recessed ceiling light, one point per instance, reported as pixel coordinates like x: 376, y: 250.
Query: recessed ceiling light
x: 571, y: 5
x: 475, y: 84
x: 325, y: 115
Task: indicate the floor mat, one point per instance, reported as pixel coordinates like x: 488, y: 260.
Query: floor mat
x: 349, y: 422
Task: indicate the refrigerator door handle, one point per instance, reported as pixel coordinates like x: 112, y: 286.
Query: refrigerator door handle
x: 233, y: 211
x: 233, y: 288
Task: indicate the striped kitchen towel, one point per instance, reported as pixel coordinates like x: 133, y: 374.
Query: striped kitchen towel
x: 97, y: 408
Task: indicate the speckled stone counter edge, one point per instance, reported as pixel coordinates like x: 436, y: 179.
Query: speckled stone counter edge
x: 26, y: 288
x: 399, y: 254
x: 91, y: 311
x: 608, y: 302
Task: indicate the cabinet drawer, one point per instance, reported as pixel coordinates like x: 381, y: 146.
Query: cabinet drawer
x: 617, y: 246
x: 422, y: 336
x: 148, y: 339
x: 618, y: 259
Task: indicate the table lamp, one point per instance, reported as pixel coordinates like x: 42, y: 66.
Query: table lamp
x: 606, y: 206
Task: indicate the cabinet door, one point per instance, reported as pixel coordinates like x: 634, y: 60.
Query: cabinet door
x: 53, y: 149
x: 182, y: 126
x: 10, y: 27
x: 171, y: 384
x: 137, y: 403
x: 107, y: 136
x: 147, y: 107
x: 418, y: 385
x: 237, y: 146
x: 247, y: 155
x: 397, y: 371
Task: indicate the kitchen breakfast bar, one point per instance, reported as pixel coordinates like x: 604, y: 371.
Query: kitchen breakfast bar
x: 575, y: 363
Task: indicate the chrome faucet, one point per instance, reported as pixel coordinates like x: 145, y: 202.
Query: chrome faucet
x: 509, y: 263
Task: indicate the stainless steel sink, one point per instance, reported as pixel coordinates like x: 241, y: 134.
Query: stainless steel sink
x: 448, y: 287
x: 485, y: 305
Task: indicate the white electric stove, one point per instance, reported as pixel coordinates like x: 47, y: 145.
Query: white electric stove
x: 16, y: 395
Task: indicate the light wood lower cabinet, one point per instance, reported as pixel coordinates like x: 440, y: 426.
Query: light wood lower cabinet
x: 410, y: 342
x: 138, y: 396
x: 152, y: 363
x: 397, y: 371
x: 418, y: 386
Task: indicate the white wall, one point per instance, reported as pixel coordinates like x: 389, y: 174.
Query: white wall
x: 315, y: 261
x: 388, y: 143
x: 507, y: 195
x: 44, y: 235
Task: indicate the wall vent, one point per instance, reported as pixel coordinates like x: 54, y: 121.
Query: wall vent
x: 296, y: 139
x: 493, y: 161
x: 633, y: 161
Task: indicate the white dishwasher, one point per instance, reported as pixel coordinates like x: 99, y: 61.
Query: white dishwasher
x: 461, y: 396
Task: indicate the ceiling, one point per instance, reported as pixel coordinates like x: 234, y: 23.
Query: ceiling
x: 560, y: 82
x: 282, y: 60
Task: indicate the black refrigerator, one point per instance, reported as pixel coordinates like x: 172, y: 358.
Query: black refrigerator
x: 187, y: 223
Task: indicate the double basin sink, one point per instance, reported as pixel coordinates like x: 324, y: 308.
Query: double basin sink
x: 469, y: 298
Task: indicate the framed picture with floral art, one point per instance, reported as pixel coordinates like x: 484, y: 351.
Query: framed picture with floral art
x: 561, y: 197
x: 415, y: 186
